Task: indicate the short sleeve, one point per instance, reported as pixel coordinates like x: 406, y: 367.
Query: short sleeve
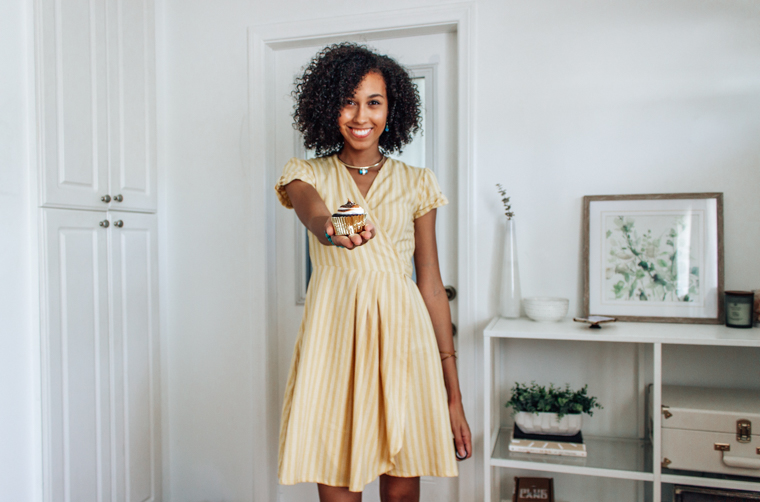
x: 295, y: 169
x: 429, y: 195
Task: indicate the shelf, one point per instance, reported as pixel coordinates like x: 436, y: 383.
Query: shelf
x: 610, y: 458
x: 607, y: 457
x: 625, y: 332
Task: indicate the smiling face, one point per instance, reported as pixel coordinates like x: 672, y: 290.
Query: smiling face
x: 362, y: 119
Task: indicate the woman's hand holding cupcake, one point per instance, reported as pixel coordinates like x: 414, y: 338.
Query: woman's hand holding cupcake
x: 353, y: 240
x: 349, y: 226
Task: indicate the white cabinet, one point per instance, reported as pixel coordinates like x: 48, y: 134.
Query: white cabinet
x: 100, y: 356
x: 95, y: 69
x: 96, y: 104
x: 628, y: 467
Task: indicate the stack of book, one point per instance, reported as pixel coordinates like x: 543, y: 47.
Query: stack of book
x: 545, y: 444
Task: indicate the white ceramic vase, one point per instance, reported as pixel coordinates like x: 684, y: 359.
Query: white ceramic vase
x: 509, y: 299
x: 548, y: 423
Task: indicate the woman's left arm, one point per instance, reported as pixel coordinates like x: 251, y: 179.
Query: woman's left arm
x: 433, y: 293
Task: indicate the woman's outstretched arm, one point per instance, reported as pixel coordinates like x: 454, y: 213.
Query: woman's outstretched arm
x: 315, y: 216
x: 433, y: 293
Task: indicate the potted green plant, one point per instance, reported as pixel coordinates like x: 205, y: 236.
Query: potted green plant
x: 553, y: 410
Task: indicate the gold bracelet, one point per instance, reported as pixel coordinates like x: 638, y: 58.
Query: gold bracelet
x: 446, y: 355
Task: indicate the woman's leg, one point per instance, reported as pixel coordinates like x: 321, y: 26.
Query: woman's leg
x: 337, y: 494
x: 393, y: 489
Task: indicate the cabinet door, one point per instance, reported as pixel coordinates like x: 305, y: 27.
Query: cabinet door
x: 134, y: 280
x: 131, y: 73
x: 72, y: 113
x: 75, y: 351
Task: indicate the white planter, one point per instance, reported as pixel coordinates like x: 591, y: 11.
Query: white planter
x: 548, y: 423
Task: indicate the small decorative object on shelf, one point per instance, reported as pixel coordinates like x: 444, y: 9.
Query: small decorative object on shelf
x: 554, y: 411
x: 739, y: 309
x: 509, y: 301
x: 532, y: 489
x: 546, y: 309
x: 757, y: 307
x: 595, y: 321
x: 709, y: 429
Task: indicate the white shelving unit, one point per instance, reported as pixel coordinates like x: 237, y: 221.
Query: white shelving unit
x: 608, y: 457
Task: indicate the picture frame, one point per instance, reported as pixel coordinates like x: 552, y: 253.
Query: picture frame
x: 654, y: 257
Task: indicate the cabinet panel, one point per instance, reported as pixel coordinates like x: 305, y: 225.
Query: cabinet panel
x: 97, y: 113
x: 136, y: 358
x: 73, y: 111
x: 132, y: 101
x: 76, y: 345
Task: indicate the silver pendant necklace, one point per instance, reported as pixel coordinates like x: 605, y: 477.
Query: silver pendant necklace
x: 364, y: 170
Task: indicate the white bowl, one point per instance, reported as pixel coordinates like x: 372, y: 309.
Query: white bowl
x: 544, y: 309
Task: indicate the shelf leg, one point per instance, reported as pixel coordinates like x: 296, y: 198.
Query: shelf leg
x: 487, y: 379
x: 657, y: 424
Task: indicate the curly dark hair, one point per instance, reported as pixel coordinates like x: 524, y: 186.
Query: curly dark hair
x: 332, y: 77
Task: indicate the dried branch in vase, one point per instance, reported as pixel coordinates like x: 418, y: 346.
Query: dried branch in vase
x: 505, y: 200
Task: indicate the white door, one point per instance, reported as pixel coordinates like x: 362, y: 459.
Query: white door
x: 134, y: 327
x: 432, y: 59
x: 73, y: 103
x: 76, y: 353
x: 132, y: 105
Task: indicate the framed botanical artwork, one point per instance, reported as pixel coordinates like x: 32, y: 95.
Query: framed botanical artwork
x: 654, y: 258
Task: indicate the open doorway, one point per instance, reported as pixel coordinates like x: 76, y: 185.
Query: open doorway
x: 426, y: 41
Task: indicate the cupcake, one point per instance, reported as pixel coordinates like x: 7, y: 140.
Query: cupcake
x: 349, y: 219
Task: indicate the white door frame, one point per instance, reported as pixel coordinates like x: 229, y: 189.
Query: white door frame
x: 263, y: 42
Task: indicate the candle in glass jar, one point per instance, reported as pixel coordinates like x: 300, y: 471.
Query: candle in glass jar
x: 739, y: 309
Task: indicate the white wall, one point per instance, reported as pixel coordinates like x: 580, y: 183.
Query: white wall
x: 639, y: 97
x: 574, y: 97
x: 19, y: 425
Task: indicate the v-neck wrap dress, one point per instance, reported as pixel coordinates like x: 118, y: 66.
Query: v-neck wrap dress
x: 365, y: 394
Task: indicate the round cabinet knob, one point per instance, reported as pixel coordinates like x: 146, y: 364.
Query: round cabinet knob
x: 104, y: 223
x: 451, y: 292
x: 106, y: 198
x: 118, y: 198
x: 118, y: 223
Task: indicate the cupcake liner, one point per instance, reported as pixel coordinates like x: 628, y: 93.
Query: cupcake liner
x: 347, y: 225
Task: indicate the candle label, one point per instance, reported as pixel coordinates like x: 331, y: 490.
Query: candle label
x: 739, y: 313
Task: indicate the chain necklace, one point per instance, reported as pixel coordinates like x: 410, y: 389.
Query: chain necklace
x: 364, y: 170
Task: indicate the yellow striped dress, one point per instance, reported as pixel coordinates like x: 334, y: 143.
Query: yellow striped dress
x: 365, y: 394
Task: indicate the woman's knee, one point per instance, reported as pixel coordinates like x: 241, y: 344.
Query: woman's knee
x: 394, y: 489
x: 337, y: 494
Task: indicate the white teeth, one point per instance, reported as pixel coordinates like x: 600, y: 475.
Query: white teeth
x: 361, y: 132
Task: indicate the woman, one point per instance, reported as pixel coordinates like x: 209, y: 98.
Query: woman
x: 373, y: 387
